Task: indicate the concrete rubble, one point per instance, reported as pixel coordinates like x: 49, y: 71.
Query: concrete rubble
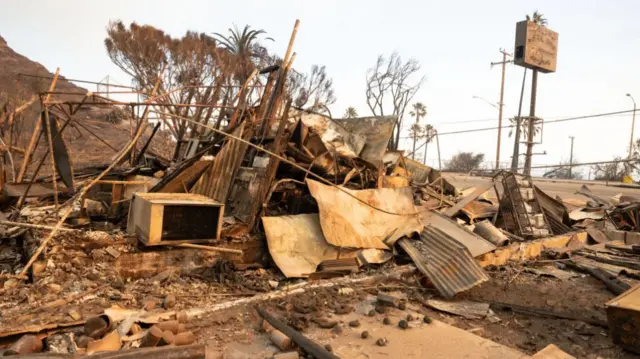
x: 313, y: 222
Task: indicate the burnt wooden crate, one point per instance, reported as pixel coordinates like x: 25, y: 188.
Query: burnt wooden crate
x: 174, y: 218
x: 623, y: 315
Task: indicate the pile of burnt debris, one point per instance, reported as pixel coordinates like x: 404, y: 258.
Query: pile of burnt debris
x: 121, y: 258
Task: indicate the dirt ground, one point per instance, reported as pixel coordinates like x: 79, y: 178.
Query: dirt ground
x: 236, y: 333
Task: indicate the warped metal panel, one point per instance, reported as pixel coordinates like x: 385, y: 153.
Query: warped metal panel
x: 377, y: 130
x: 446, y: 262
x: 356, y: 223
x: 216, y: 181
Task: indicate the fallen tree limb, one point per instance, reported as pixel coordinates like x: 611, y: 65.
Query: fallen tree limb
x: 548, y: 313
x: 34, y: 226
x: 208, y: 248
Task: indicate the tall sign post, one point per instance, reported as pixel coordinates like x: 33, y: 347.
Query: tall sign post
x: 536, y: 48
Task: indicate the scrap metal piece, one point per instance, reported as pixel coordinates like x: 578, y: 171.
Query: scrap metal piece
x: 467, y: 200
x: 585, y: 191
x: 464, y: 308
x: 471, y: 241
x: 377, y: 131
x: 60, y: 153
x: 334, y: 135
x: 348, y: 222
x: 297, y: 245
x: 488, y: 231
x: 444, y: 261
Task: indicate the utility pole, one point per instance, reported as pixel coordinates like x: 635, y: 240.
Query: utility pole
x: 531, y: 119
x: 633, y: 124
x: 504, y: 63
x: 571, y: 157
x: 516, y: 142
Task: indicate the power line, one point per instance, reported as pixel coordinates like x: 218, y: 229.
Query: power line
x: 545, y: 122
x: 495, y: 119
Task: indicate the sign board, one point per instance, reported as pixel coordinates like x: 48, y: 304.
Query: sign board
x: 536, y: 47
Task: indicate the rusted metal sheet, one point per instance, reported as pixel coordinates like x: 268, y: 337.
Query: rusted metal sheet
x: 479, y: 209
x: 467, y: 200
x: 554, y: 211
x: 444, y: 261
x: 349, y: 222
x: 623, y: 316
x: 474, y: 243
x: 334, y: 136
x: 216, y: 182
x: 243, y: 191
x: 377, y: 132
x: 520, y: 252
x: 60, y: 153
x: 423, y: 174
x: 297, y: 245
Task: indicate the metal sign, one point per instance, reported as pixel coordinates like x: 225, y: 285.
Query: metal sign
x: 536, y: 47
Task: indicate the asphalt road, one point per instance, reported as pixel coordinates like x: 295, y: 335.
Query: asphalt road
x: 566, y: 189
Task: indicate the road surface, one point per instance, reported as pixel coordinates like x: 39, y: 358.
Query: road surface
x: 566, y: 189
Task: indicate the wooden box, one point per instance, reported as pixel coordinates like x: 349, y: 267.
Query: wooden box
x: 623, y: 315
x: 173, y: 218
x: 536, y: 47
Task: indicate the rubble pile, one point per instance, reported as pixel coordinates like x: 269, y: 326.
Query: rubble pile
x: 274, y: 202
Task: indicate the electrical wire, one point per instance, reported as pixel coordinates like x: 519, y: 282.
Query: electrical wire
x: 606, y: 114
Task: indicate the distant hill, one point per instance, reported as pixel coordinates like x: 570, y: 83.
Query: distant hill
x: 85, y: 149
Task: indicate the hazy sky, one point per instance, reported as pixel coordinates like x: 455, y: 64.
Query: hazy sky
x: 455, y: 41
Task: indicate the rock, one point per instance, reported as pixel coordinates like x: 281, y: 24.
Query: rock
x: 364, y: 335
x: 337, y: 329
x: 328, y: 348
x: 150, y: 303
x: 402, y: 306
x: 371, y: 313
x: 381, y: 309
x: 325, y: 323
x: 410, y: 317
x: 273, y: 284
x: 184, y: 338
x: 551, y: 302
x: 382, y: 342
x: 82, y: 341
x: 386, y: 321
x: 10, y: 283
x: 354, y: 323
x: 388, y: 300
x: 403, y: 324
x: 426, y: 319
x: 169, y: 301
x: 182, y: 316
x: 169, y: 325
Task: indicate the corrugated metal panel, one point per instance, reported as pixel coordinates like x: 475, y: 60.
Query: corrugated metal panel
x: 447, y: 263
x: 216, y: 182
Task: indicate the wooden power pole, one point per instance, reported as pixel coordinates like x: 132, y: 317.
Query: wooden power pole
x: 571, y: 157
x: 531, y: 119
x: 504, y: 63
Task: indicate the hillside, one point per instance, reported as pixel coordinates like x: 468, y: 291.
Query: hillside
x: 84, y: 148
